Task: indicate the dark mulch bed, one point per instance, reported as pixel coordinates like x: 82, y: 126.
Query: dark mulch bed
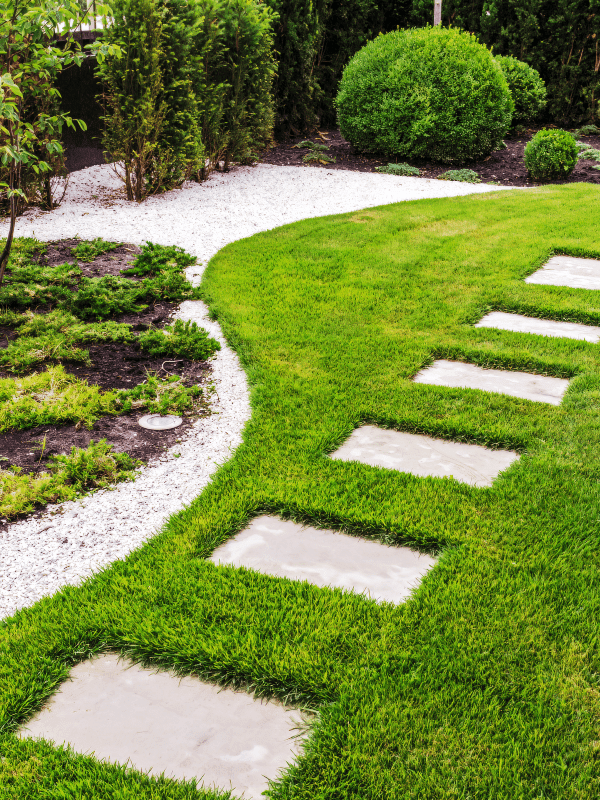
x: 113, y: 366
x: 504, y: 166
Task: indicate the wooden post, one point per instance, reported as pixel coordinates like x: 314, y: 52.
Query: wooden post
x: 437, y: 12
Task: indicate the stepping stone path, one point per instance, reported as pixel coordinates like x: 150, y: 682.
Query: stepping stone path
x: 540, y: 327
x: 458, y: 375
x: 186, y: 728
x: 159, y: 722
x: 578, y: 273
x: 424, y: 456
x: 287, y: 550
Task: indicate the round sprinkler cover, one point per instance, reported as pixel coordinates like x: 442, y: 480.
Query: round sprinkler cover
x: 154, y: 422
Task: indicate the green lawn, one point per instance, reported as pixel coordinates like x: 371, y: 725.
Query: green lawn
x: 483, y: 686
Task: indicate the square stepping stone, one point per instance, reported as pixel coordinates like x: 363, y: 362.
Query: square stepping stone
x: 424, y: 456
x: 540, y: 327
x: 325, y: 558
x: 578, y: 273
x: 458, y: 375
x: 157, y: 722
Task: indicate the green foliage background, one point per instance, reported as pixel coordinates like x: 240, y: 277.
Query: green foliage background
x: 315, y: 40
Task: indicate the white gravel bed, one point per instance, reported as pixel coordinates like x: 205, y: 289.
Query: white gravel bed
x: 90, y: 533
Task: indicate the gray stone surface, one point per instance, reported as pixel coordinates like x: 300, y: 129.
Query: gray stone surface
x: 424, y: 456
x: 278, y: 547
x: 456, y: 374
x: 541, y: 327
x: 578, y: 273
x: 157, y: 722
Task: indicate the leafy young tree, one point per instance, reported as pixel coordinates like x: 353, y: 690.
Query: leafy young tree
x: 30, y: 58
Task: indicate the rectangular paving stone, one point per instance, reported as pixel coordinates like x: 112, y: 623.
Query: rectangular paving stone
x: 578, y: 273
x: 541, y: 327
x: 458, y: 375
x: 325, y: 558
x: 158, y: 722
x: 424, y: 456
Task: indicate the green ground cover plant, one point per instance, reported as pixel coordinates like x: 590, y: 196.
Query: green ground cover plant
x: 67, y: 478
x: 485, y: 683
x: 64, y: 287
x: 184, y: 339
x: 88, y: 251
x: 54, y: 397
x: 465, y: 175
x: 399, y: 169
x: 39, y: 391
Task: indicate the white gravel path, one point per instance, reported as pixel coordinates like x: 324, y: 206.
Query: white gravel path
x: 92, y: 532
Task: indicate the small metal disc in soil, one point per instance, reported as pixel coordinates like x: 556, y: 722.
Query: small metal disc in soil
x: 154, y: 422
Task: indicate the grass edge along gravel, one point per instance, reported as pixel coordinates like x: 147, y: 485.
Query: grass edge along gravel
x: 485, y: 683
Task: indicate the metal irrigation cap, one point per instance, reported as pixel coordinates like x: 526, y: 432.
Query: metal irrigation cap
x: 154, y: 422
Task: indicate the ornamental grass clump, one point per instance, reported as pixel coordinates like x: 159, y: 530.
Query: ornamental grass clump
x: 432, y: 93
x: 551, y: 155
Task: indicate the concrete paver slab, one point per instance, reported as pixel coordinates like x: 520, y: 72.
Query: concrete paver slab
x: 425, y: 456
x: 158, y: 722
x: 578, y: 273
x: 541, y: 327
x: 325, y: 558
x: 456, y: 374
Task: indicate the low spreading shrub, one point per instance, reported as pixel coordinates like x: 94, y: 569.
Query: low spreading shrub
x: 588, y: 153
x: 551, y: 155
x: 399, y: 169
x: 587, y: 130
x: 64, y: 286
x: 160, y: 397
x: 527, y: 89
x: 464, y: 175
x: 67, y: 477
x: 184, y: 339
x: 425, y: 93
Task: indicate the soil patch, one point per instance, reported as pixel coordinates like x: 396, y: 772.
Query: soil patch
x: 503, y: 166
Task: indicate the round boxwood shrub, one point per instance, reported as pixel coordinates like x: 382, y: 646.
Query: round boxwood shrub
x: 425, y: 93
x: 551, y: 154
x: 527, y: 89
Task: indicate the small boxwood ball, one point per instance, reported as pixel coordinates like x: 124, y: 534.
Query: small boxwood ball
x: 551, y: 155
x: 431, y: 93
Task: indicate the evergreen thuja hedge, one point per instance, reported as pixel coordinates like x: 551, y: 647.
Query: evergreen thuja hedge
x: 191, y: 85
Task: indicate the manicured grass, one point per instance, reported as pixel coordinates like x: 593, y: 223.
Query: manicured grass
x: 485, y: 684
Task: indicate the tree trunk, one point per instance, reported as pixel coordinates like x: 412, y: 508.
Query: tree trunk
x: 14, y: 182
x: 437, y: 12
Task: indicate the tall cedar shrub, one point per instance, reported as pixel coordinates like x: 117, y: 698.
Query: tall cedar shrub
x: 232, y: 72
x: 425, y: 93
x: 247, y: 71
x: 151, y: 120
x: 314, y: 40
x: 527, y: 89
x: 559, y: 38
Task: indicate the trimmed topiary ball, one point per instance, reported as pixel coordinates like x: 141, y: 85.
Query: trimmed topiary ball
x: 551, y: 155
x: 527, y: 89
x: 425, y: 93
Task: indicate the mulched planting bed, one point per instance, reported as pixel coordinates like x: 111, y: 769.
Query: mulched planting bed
x: 112, y: 366
x: 504, y: 166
